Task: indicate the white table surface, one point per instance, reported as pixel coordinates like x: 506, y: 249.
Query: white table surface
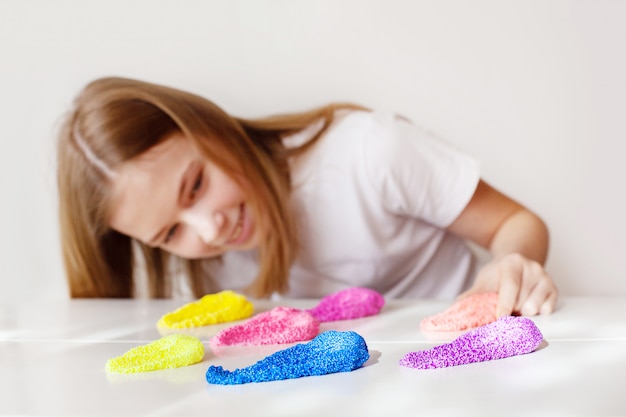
x: 52, y: 357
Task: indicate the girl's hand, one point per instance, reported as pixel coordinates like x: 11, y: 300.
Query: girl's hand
x: 518, y: 241
x: 523, y: 286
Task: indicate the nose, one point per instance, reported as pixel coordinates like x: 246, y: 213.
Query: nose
x: 206, y: 224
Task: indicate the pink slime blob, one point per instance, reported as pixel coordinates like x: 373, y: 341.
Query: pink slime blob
x: 351, y: 303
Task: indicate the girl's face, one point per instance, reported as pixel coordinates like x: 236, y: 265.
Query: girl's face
x: 172, y: 197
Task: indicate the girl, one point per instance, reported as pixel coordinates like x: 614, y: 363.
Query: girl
x: 301, y: 204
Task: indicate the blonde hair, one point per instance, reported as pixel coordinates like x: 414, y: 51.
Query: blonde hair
x: 117, y: 119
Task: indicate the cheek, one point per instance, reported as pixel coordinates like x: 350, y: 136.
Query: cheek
x: 225, y: 188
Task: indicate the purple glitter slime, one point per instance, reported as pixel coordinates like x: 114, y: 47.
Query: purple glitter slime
x: 351, y: 303
x: 508, y: 336
x: 330, y: 352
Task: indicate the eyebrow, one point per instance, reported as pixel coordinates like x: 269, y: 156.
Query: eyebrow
x: 156, y: 238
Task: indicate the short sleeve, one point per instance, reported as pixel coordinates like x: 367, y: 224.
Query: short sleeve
x: 417, y: 174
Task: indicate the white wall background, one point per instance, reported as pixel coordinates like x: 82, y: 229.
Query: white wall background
x: 534, y: 88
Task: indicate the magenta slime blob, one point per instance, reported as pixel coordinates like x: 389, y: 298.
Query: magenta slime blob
x: 351, y: 303
x: 506, y: 337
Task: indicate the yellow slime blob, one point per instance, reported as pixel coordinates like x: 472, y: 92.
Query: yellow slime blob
x: 171, y: 351
x: 215, y: 308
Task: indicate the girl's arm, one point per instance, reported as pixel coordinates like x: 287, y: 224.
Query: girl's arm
x: 518, y: 240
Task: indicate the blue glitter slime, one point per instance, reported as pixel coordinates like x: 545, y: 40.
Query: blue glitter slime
x: 330, y: 352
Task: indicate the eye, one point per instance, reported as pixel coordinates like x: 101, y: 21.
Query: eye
x: 171, y: 233
x: 196, y: 186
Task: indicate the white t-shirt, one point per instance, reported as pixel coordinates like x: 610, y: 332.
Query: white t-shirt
x: 372, y: 198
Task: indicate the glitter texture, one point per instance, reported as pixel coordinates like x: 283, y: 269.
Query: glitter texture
x: 472, y: 311
x: 279, y: 325
x: 330, y: 352
x: 506, y: 337
x: 215, y: 308
x: 171, y: 351
x: 351, y: 303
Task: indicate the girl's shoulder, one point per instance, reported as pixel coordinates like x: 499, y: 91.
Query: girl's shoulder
x: 352, y: 126
x: 381, y: 138
x: 354, y: 130
x: 357, y: 144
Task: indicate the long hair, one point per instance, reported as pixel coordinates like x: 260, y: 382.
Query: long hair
x: 114, y: 120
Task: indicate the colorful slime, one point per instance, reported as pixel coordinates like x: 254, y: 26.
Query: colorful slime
x: 279, y: 325
x: 330, y: 352
x: 351, y: 303
x: 472, y: 311
x: 508, y: 336
x: 215, y: 308
x: 167, y: 352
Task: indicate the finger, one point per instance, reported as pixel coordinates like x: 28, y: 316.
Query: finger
x: 535, y: 300
x: 527, y: 288
x: 533, y: 290
x: 507, y: 293
x: 540, y: 293
x: 549, y: 304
